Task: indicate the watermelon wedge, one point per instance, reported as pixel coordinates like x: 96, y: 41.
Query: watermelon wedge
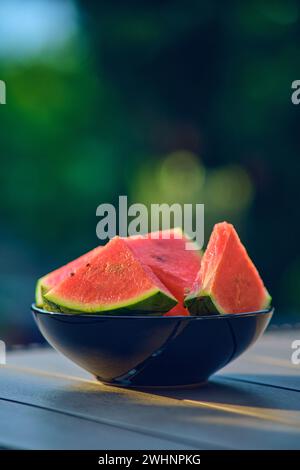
x: 47, y: 282
x: 113, y: 279
x: 228, y: 281
x: 166, y: 254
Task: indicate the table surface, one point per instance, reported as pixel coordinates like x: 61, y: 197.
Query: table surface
x: 47, y: 402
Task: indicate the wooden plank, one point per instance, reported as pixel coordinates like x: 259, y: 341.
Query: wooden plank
x: 268, y: 362
x: 220, y: 415
x: 226, y: 413
x: 27, y: 427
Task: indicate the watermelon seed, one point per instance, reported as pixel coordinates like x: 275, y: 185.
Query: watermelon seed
x: 159, y: 258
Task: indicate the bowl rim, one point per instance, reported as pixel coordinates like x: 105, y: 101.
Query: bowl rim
x: 91, y: 316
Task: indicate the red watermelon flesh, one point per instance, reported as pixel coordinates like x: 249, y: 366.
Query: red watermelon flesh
x: 169, y: 259
x: 178, y: 310
x: 52, y: 279
x: 229, y: 282
x: 112, y: 279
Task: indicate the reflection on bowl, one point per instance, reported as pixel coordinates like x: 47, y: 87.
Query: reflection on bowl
x: 151, y: 351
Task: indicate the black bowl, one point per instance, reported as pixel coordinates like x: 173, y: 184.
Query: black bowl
x: 151, y: 351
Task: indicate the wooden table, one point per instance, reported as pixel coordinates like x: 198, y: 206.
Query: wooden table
x: 46, y: 402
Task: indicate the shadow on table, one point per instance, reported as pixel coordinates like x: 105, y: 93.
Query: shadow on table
x: 257, y: 391
x: 208, y: 416
x: 220, y: 392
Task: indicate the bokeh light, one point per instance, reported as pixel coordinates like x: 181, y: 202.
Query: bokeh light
x: 229, y: 189
x: 34, y: 27
x: 180, y: 177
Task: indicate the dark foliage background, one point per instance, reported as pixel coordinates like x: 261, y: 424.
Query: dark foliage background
x: 165, y: 101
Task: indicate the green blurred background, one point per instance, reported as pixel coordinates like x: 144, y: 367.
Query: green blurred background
x: 163, y: 101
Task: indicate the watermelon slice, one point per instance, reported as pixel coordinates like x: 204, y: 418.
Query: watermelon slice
x: 166, y: 254
x: 228, y: 281
x: 47, y: 282
x: 113, y: 279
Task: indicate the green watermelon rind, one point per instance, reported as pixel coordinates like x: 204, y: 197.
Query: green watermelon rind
x: 205, y: 304
x: 202, y: 305
x: 152, y: 300
x: 134, y: 311
x: 40, y: 290
x: 38, y: 294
